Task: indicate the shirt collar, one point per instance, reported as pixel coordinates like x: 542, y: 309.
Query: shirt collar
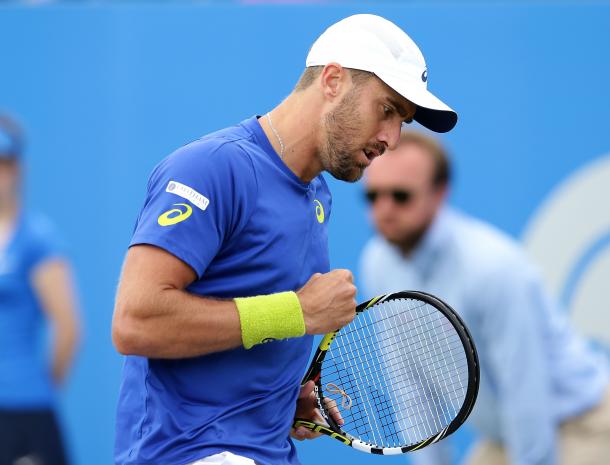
x: 423, y: 257
x: 254, y: 126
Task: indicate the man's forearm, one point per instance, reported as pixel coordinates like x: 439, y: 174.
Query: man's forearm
x: 173, y: 323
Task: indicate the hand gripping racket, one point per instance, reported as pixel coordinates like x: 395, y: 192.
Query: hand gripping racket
x: 404, y: 374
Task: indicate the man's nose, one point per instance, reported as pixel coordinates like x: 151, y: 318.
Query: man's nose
x: 390, y: 134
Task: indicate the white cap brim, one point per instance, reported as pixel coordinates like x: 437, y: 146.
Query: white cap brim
x: 431, y: 112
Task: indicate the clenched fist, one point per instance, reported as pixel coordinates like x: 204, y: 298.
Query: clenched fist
x: 328, y: 301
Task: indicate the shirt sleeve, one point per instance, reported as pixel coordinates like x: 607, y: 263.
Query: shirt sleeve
x: 198, y: 198
x: 515, y: 348
x: 46, y: 243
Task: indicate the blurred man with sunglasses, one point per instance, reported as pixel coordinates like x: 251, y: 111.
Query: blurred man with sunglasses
x: 544, y: 397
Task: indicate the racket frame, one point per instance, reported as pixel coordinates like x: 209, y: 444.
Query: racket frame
x: 333, y: 430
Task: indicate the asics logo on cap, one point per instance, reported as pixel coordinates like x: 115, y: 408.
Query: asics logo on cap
x: 424, y: 75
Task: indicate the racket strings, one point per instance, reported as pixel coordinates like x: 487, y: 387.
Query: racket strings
x: 405, y: 405
x: 445, y: 411
x: 396, y: 365
x: 396, y: 355
x: 422, y: 322
x: 432, y: 376
x: 395, y: 358
x: 403, y: 366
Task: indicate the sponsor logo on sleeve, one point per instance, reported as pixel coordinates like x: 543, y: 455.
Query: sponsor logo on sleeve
x: 175, y: 215
x: 188, y: 193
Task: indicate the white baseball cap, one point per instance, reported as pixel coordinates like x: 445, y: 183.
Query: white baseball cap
x: 372, y: 43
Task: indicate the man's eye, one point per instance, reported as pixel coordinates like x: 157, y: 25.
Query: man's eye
x: 387, y: 111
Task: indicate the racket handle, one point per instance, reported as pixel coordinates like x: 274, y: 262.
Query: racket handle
x: 310, y: 425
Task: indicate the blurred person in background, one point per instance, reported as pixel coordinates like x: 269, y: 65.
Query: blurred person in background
x: 544, y: 397
x: 35, y: 292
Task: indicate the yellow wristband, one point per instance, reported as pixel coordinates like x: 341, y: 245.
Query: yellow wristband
x: 266, y: 318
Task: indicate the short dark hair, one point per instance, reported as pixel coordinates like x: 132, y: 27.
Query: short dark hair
x: 442, y: 165
x: 310, y: 74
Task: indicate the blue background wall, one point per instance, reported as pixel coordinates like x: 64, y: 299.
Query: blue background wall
x: 106, y: 91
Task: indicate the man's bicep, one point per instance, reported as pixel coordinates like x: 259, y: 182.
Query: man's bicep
x: 151, y: 266
x: 148, y: 299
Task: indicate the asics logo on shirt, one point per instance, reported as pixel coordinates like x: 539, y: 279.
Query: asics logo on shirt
x: 319, y: 211
x: 175, y: 215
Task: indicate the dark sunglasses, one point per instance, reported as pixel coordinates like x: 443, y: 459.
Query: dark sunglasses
x: 400, y: 197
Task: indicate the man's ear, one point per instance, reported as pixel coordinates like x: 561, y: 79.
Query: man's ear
x: 334, y: 81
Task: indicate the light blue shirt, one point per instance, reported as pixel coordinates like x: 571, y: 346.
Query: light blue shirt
x: 535, y: 371
x: 25, y: 377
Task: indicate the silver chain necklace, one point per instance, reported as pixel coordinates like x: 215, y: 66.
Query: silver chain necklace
x: 279, y: 139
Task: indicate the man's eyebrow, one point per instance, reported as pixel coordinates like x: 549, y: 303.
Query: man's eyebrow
x: 399, y: 108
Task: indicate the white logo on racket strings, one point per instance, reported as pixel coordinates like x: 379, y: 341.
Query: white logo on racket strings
x: 188, y: 193
x: 346, y: 400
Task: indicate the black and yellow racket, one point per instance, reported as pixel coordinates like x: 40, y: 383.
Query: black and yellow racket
x: 404, y: 374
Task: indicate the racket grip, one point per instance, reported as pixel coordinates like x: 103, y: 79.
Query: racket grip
x: 310, y: 425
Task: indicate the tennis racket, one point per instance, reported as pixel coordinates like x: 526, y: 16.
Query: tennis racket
x: 404, y: 374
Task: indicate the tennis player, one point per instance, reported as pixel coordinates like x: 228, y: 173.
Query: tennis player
x: 227, y: 275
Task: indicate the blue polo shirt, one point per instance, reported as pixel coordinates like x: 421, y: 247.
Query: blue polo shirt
x: 25, y: 380
x: 230, y: 208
